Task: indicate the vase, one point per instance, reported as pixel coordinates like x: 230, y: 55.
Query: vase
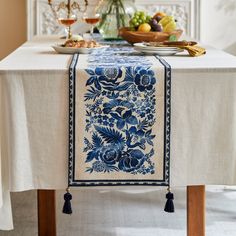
x: 115, y: 14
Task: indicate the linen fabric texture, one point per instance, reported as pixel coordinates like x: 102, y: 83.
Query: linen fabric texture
x: 34, y: 118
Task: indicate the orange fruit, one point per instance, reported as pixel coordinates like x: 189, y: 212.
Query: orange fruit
x: 160, y: 14
x: 145, y: 27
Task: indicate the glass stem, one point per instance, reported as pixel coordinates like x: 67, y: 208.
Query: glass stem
x: 69, y: 32
x: 91, y: 31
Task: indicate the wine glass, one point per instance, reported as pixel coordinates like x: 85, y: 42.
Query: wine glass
x: 67, y: 22
x: 91, y: 18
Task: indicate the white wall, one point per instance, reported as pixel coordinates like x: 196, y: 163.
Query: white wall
x: 218, y: 24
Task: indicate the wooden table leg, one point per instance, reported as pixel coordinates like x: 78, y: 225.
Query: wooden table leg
x: 46, y: 213
x: 196, y: 210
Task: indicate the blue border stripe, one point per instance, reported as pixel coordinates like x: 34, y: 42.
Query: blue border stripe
x: 72, y: 80
x: 167, y: 114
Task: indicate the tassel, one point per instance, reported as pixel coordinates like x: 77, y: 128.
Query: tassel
x: 67, y: 209
x: 169, y: 207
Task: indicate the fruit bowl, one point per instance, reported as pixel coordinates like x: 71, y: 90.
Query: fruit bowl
x: 138, y: 37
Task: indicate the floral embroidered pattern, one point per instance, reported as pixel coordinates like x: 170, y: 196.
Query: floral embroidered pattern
x: 120, y: 109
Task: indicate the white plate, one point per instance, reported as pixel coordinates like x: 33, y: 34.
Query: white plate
x: 67, y: 50
x: 159, y: 52
x: 143, y: 46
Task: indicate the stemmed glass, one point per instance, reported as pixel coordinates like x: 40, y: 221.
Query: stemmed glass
x: 66, y: 12
x: 67, y: 22
x: 91, y: 18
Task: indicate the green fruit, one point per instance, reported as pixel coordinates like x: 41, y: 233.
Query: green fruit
x: 139, y: 18
x: 172, y: 38
x: 143, y: 18
x: 131, y: 25
x: 141, y: 13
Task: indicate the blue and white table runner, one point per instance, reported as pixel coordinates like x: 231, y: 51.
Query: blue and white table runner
x: 119, y: 119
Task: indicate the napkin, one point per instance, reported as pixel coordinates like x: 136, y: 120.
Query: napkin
x: 194, y: 51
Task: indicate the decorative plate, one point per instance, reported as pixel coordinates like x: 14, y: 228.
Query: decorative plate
x: 143, y: 46
x: 161, y: 51
x: 69, y: 50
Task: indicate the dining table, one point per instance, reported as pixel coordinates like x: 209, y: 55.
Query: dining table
x: 34, y: 107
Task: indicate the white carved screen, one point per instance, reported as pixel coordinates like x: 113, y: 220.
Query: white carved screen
x: 42, y: 22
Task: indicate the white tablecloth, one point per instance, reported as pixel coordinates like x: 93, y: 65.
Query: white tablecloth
x: 34, y: 125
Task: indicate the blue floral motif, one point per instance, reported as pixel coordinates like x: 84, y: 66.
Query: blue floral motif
x: 124, y: 118
x: 132, y: 160
x: 120, y: 111
x: 116, y: 105
x: 103, y: 76
x: 110, y: 154
x: 145, y: 79
x: 99, y: 166
x: 135, y: 137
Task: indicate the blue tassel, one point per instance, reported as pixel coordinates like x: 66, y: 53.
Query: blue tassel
x: 169, y: 207
x: 67, y: 209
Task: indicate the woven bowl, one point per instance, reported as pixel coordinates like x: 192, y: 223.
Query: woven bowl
x: 138, y: 37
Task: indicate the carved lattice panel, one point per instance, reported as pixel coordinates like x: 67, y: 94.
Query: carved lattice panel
x: 47, y: 24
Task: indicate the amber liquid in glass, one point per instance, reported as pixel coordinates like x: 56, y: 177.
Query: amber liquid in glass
x: 92, y: 20
x: 67, y: 21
